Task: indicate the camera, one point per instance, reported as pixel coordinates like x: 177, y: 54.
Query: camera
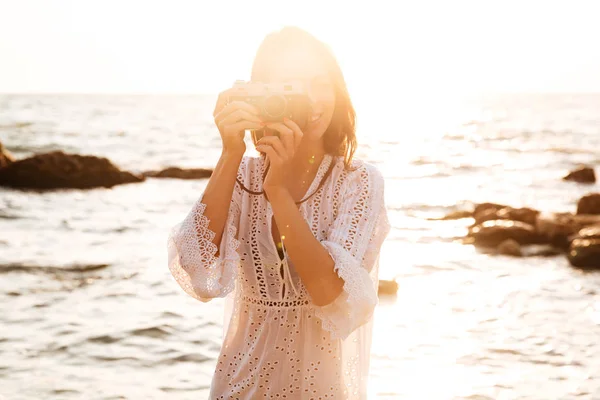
x: 275, y: 101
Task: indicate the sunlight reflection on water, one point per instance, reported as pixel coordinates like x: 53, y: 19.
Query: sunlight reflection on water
x: 463, y: 325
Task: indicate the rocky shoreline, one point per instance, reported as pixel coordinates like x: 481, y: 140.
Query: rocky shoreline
x: 59, y: 170
x: 523, y: 232
x: 499, y: 228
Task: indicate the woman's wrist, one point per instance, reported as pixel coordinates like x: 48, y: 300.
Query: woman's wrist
x: 232, y: 155
x: 276, y: 194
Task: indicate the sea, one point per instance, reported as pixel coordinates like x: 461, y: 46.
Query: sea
x: 89, y: 310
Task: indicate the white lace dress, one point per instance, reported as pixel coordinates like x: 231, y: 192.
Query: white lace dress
x: 278, y: 344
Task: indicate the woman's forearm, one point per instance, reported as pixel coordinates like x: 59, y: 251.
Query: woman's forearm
x: 218, y: 193
x: 311, y: 259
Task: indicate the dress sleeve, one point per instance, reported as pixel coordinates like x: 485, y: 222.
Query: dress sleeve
x: 353, y: 241
x: 192, y: 257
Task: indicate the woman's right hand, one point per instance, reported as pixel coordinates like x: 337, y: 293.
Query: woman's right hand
x: 233, y: 120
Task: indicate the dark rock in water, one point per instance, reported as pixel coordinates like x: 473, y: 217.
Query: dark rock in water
x: 459, y: 214
x: 589, y: 232
x: 57, y: 170
x: 585, y: 249
x: 581, y: 175
x: 489, y: 214
x: 387, y: 287
x: 5, y: 157
x: 51, y: 269
x: 557, y: 228
x: 527, y: 215
x: 485, y: 207
x: 510, y: 247
x: 492, y: 233
x: 179, y: 173
x: 589, y: 204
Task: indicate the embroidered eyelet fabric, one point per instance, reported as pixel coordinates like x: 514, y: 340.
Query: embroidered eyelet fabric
x: 277, y: 343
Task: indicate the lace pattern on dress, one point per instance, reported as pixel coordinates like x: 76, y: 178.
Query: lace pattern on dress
x: 350, y: 238
x: 192, y: 256
x: 283, y: 345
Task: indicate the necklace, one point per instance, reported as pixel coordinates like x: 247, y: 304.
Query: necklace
x: 321, y: 183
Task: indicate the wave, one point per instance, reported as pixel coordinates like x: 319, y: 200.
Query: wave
x: 567, y: 150
x: 18, y: 267
x: 17, y: 125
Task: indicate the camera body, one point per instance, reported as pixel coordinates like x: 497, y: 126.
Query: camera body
x: 275, y: 101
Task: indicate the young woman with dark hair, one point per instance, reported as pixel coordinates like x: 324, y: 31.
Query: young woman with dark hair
x: 290, y: 238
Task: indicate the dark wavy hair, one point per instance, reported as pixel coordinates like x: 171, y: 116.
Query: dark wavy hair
x: 340, y: 136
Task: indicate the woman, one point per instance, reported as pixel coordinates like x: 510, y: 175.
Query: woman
x: 296, y: 252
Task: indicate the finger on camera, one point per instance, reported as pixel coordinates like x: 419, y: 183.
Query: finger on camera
x: 298, y: 134
x: 292, y: 125
x: 276, y: 143
x: 233, y: 107
x: 272, y: 155
x: 288, y: 143
x: 241, y: 126
x: 239, y: 115
x: 280, y: 127
x: 287, y: 135
x: 269, y: 140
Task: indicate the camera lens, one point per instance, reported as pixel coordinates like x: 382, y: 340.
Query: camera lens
x: 274, y: 106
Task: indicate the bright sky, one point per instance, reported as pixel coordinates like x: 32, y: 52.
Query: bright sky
x: 202, y: 46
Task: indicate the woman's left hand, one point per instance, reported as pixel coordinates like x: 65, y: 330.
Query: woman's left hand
x: 280, y: 152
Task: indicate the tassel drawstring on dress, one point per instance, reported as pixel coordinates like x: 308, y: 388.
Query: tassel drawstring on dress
x: 287, y: 276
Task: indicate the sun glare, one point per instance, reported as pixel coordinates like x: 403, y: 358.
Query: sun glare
x: 386, y: 49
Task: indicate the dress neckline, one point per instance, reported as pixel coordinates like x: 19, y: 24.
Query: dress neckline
x: 323, y: 167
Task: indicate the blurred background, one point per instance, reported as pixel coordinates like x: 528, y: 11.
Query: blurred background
x: 458, y: 103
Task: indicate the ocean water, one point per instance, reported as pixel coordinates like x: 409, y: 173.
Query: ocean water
x: 88, y: 309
